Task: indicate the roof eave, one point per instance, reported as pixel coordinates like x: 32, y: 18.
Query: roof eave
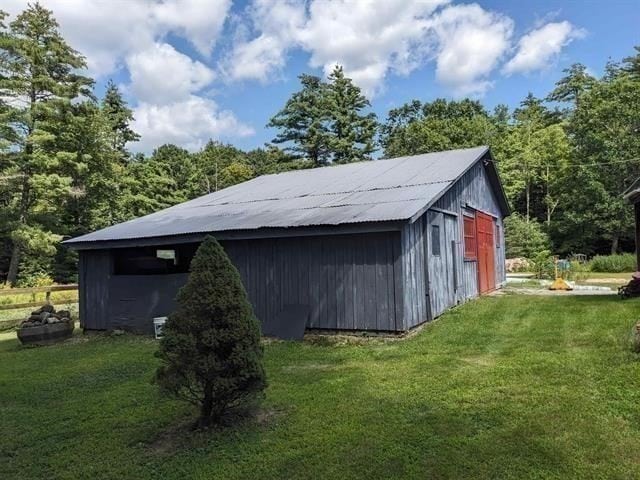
x: 260, y: 233
x: 632, y: 196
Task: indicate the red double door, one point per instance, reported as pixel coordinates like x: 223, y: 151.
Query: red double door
x: 485, y: 228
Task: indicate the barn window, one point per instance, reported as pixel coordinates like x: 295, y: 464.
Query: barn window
x: 153, y: 260
x: 470, y: 243
x: 435, y: 240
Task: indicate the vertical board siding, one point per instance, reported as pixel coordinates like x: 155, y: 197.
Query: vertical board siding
x: 399, y: 287
x: 474, y: 191
x: 94, y: 280
x: 129, y: 302
x: 134, y: 300
x: 443, y: 290
x: 348, y: 281
x: 414, y: 278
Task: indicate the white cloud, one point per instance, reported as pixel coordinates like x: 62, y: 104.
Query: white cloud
x: 371, y: 39
x: 99, y: 30
x: 374, y: 38
x: 162, y: 75
x: 539, y: 48
x: 199, y: 21
x: 275, y: 24
x: 368, y: 38
x: 471, y: 42
x: 188, y: 123
x: 107, y: 31
x: 167, y: 85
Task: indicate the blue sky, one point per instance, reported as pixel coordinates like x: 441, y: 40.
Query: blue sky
x: 199, y: 69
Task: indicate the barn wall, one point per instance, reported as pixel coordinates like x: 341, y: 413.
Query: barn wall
x: 444, y: 268
x: 94, y: 276
x: 109, y: 301
x: 349, y: 282
x: 473, y: 190
x: 135, y: 300
x: 414, y: 274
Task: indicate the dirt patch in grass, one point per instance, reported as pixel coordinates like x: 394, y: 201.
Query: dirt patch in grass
x: 330, y: 338
x: 172, y: 438
x: 184, y: 435
x: 337, y: 340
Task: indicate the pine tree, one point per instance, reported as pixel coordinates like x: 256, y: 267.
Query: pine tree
x: 304, y: 122
x: 631, y: 64
x: 211, y: 353
x: 569, y: 88
x: 324, y: 122
x: 39, y: 79
x: 353, y: 131
x: 119, y: 117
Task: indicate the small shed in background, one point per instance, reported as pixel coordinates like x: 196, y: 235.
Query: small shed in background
x: 382, y: 245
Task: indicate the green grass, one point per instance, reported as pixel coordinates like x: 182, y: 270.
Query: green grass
x: 619, y: 275
x: 504, y: 387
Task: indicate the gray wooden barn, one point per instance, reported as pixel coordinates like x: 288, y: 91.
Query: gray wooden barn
x: 382, y: 245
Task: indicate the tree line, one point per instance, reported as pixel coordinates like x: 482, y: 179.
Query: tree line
x: 66, y: 167
x: 564, y: 159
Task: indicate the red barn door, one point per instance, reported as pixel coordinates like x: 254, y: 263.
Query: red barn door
x: 486, y: 253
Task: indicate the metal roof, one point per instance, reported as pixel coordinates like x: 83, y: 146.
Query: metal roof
x: 370, y: 191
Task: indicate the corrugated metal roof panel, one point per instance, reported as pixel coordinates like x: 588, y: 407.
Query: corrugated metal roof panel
x: 380, y: 190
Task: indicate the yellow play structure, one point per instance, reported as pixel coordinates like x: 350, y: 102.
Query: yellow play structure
x: 559, y: 283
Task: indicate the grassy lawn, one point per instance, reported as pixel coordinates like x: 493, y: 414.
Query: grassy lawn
x: 620, y: 276
x: 504, y: 387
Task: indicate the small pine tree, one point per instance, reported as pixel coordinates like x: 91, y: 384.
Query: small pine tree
x: 119, y: 117
x: 211, y: 353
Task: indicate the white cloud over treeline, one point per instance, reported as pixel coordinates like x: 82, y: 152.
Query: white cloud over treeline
x: 372, y: 39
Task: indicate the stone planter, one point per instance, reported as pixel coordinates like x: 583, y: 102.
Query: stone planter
x: 46, y: 334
